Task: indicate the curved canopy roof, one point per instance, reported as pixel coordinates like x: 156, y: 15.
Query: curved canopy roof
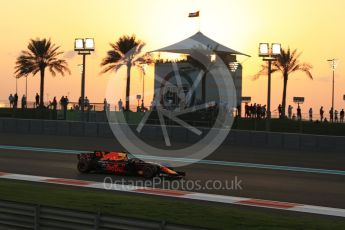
x: 195, y: 41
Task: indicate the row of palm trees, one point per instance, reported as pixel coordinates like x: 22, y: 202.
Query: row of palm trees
x: 41, y: 54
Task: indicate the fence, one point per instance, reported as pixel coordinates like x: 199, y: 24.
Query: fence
x: 14, y: 215
x: 178, y: 134
x: 97, y: 106
x: 304, y: 116
x: 290, y: 126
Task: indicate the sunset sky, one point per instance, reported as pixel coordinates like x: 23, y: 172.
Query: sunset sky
x: 313, y: 27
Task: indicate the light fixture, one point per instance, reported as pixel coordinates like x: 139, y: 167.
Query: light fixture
x: 89, y: 44
x: 333, y: 63
x: 78, y: 44
x: 264, y: 49
x: 276, y: 49
x: 86, y: 44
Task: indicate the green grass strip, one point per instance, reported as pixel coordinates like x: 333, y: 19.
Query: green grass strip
x: 179, y: 211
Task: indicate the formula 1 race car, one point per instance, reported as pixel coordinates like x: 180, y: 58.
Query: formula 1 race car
x: 122, y: 163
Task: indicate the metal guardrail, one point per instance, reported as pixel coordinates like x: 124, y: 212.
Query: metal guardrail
x: 93, y: 106
x: 14, y: 215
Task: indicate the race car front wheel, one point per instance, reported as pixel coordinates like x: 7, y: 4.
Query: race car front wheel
x: 83, y: 166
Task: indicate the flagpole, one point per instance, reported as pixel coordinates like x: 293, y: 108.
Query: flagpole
x: 196, y: 14
x: 199, y: 21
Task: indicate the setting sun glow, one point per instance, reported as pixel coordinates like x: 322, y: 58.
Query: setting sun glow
x: 313, y: 27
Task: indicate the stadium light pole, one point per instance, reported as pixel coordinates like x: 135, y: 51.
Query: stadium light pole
x: 269, y: 54
x: 26, y: 87
x: 143, y: 72
x: 83, y: 46
x: 333, y: 64
x: 16, y: 85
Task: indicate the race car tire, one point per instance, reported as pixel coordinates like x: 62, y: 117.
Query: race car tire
x: 83, y: 166
x: 149, y: 172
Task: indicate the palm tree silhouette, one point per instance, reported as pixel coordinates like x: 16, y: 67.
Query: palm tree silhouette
x: 288, y: 62
x: 40, y: 54
x: 125, y: 52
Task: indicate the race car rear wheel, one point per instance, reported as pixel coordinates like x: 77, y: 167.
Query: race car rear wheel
x: 149, y: 172
x: 83, y: 166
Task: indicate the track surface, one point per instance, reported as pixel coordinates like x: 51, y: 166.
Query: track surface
x: 307, y: 188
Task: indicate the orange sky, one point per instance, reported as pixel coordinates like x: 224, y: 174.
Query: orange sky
x: 314, y: 27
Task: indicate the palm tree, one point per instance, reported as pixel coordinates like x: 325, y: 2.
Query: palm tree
x: 288, y: 62
x: 40, y: 54
x: 125, y: 52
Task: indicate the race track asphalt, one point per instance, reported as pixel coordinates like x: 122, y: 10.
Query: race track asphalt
x: 298, y: 187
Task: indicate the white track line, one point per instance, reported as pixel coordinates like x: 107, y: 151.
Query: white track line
x: 181, y: 194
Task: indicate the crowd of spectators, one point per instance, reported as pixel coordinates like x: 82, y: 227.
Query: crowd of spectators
x: 255, y: 111
x: 259, y: 111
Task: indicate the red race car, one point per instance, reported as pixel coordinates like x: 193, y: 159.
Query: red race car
x: 122, y: 163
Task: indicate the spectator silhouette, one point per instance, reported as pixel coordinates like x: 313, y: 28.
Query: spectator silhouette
x: 11, y: 100
x: 342, y: 116
x: 120, y: 105
x: 23, y: 102
x: 37, y: 100
x: 64, y: 103
x: 80, y: 102
x: 299, y: 113
x: 142, y: 107
x: 331, y: 114
x: 87, y: 104
x: 321, y: 113
x: 290, y: 111
x: 54, y: 104
x: 15, y: 103
x: 105, y: 104
x: 246, y: 110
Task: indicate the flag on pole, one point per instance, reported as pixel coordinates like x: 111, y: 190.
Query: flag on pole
x: 194, y: 14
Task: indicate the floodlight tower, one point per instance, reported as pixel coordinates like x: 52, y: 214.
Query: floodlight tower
x: 83, y: 47
x: 269, y: 54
